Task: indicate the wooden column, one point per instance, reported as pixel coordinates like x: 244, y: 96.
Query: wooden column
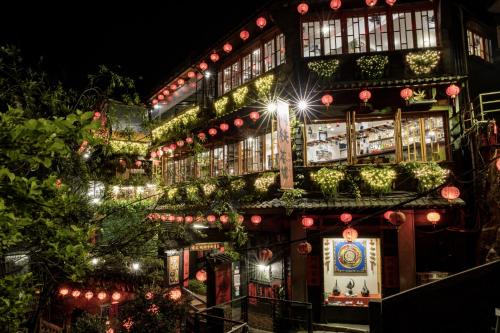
x: 298, y: 263
x: 406, y: 252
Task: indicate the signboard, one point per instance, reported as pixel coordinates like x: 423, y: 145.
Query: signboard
x: 186, y: 267
x: 173, y: 265
x: 204, y: 246
x: 223, y: 283
x: 284, y: 145
x: 236, y: 279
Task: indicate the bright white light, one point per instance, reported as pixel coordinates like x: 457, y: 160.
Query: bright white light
x: 150, y: 185
x: 302, y: 105
x: 199, y: 226
x: 262, y: 267
x: 325, y: 30
x: 86, y: 155
x: 94, y: 261
x: 96, y: 201
x: 156, y: 106
x: 116, y: 189
x: 136, y: 266
x: 207, y: 74
x: 140, y: 189
x: 272, y: 107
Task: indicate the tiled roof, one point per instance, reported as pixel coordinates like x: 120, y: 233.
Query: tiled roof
x: 396, y: 83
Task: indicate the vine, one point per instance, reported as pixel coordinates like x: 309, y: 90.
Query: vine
x: 324, y: 68
x: 373, y: 66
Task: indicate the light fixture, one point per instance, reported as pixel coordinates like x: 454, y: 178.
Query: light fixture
x: 272, y: 107
x: 94, y: 261
x: 208, y: 74
x: 136, y: 266
x: 302, y: 105
x: 262, y: 267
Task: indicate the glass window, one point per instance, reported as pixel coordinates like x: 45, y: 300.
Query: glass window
x: 377, y: 29
x: 375, y: 141
x: 271, y: 151
x: 235, y: 75
x: 311, y: 39
x: 269, y: 55
x: 332, y: 36
x: 218, y: 157
x: 426, y: 129
x: 280, y: 48
x: 252, y: 154
x: 403, y: 31
x: 232, y: 161
x: 247, y: 68
x: 479, y: 46
x: 203, y: 164
x: 227, y: 79
x: 190, y: 167
x: 326, y: 143
x: 256, y: 62
x: 220, y: 81
x: 425, y: 23
x: 169, y: 171
x: 356, y: 35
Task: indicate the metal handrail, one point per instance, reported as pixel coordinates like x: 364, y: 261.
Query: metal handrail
x: 194, y: 295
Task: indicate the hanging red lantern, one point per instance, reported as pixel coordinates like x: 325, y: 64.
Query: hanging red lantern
x: 171, y: 218
x: 202, y: 136
x: 138, y: 163
x: 163, y: 217
x: 189, y: 219
x: 181, y: 82
x: 365, y: 95
x: 160, y: 97
x: 154, y: 101
x: 387, y: 215
x: 244, y: 35
x: 406, y: 94
x: 149, y: 295
x: 175, y: 294
x: 172, y: 146
x: 224, y: 219
x: 165, y: 148
x: 153, y: 154
x: 327, y: 99
x: 203, y: 66
x: 390, y: 2
x: 256, y: 219
x: 450, y: 192
x: 497, y: 164
x: 350, y: 234
x: 254, y: 116
x: 76, y: 293
x: 345, y: 218
x: 191, y: 74
x: 452, y: 91
x: 201, y: 275
x: 335, y: 4
x: 211, y: 219
x: 89, y: 295
x: 189, y: 140
x: 397, y: 218
x: 97, y: 115
x: 63, y: 291
x: 238, y: 122
x: 180, y: 143
x: 173, y: 86
x: 212, y: 131
x: 241, y: 218
x: 116, y: 296
x: 261, y: 22
x: 265, y: 255
x: 303, y: 8
x: 227, y: 47
x: 58, y: 183
x: 179, y: 219
x: 224, y: 127
x: 214, y: 57
x: 166, y: 92
x: 307, y: 222
x: 102, y: 296
x: 371, y: 3
x: 433, y: 217
x: 304, y: 248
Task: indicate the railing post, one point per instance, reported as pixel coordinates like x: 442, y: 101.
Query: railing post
x: 244, y: 306
x: 497, y: 314
x: 481, y: 106
x: 309, y: 318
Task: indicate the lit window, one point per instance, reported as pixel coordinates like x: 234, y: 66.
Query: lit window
x: 280, y: 49
x: 375, y: 141
x: 271, y: 151
x: 252, y: 154
x: 269, y: 55
x: 326, y: 143
x: 403, y: 31
x: 332, y: 37
x: 256, y: 62
x: 356, y: 35
x: 377, y: 29
x: 429, y: 130
x: 479, y: 46
x: 311, y: 39
x: 425, y: 23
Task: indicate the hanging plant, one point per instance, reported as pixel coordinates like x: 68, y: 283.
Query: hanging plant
x: 324, y: 68
x: 263, y: 86
x: 428, y: 175
x: 209, y: 189
x: 173, y: 126
x: 290, y: 198
x: 423, y: 62
x: 192, y: 193
x: 129, y: 147
x: 373, y: 66
x: 328, y: 181
x: 221, y: 105
x: 264, y: 182
x: 172, y: 194
x: 378, y: 180
x: 237, y: 185
x: 240, y: 96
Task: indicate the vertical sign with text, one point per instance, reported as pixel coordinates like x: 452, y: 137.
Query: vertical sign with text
x: 284, y: 145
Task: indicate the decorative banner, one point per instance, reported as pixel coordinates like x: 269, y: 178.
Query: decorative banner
x: 284, y: 145
x: 350, y: 257
x: 223, y: 283
x: 173, y: 264
x: 186, y: 268
x: 204, y: 246
x: 236, y: 279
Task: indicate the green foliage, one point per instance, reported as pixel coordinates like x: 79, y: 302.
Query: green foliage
x: 290, y: 197
x: 428, y: 175
x: 237, y: 233
x: 240, y: 96
x: 324, y: 68
x: 378, y: 180
x: 263, y: 87
x: 197, y: 287
x: 264, y: 182
x: 423, y: 62
x: 192, y: 193
x: 89, y: 323
x: 372, y: 66
x: 328, y: 181
x: 220, y: 105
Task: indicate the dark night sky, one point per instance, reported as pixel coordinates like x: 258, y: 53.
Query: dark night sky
x: 148, y: 39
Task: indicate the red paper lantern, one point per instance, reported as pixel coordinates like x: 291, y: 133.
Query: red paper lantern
x: 390, y: 2
x: 224, y: 219
x: 350, y: 234
x: 58, y: 183
x: 179, y: 219
x: 153, y: 154
x: 307, y: 222
x: 497, y: 164
x: 365, y: 95
x: 164, y: 217
x: 433, y: 217
x: 166, y: 92
x: 452, y: 91
x: 327, y: 99
x: 181, y: 82
x: 97, y: 115
x: 303, y: 8
x: 76, y: 293
x: 175, y: 294
x: 180, y: 143
x: 265, y: 255
x: 165, y: 148
x: 241, y: 218
x: 406, y: 93
x: 345, y: 218
x: 160, y: 97
x: 201, y: 275
x: 397, y: 218
x: 227, y: 47
x: 189, y: 219
x: 450, y: 192
x: 189, y: 140
x: 171, y: 218
x: 371, y: 3
x: 173, y: 86
x: 138, y: 163
x: 172, y: 146
x: 203, y: 66
x: 89, y: 295
x: 202, y: 136
x: 116, y: 296
x: 335, y: 4
x: 211, y: 218
x: 214, y: 57
x: 256, y: 219
x: 254, y: 116
x: 149, y: 295
x: 387, y: 215
x: 212, y: 131
x: 244, y: 35
x: 238, y: 122
x: 191, y: 74
x: 102, y: 296
x: 63, y: 291
x: 154, y: 101
x: 224, y: 127
x: 261, y: 22
x: 304, y: 248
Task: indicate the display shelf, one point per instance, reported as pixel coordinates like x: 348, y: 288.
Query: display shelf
x: 356, y: 301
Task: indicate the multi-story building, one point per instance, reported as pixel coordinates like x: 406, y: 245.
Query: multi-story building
x: 333, y: 128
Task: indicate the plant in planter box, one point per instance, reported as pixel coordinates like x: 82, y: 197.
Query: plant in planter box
x: 423, y: 62
x: 372, y: 66
x: 264, y: 182
x: 324, y: 68
x: 378, y: 180
x: 328, y: 181
x: 428, y: 175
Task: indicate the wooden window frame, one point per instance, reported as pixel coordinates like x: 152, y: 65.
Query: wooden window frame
x: 488, y: 56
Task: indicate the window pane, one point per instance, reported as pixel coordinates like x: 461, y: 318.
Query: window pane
x: 425, y: 22
x: 470, y: 42
x: 326, y: 142
x: 190, y: 170
x: 227, y: 79
x: 377, y: 28
x: 280, y: 42
x: 169, y: 171
x: 236, y: 75
x: 269, y: 54
x: 203, y: 164
x: 356, y: 36
x: 252, y: 154
x: 220, y: 79
x: 231, y: 155
x: 271, y: 151
x: 247, y: 68
x: 218, y: 157
x: 434, y: 139
x: 403, y: 33
x: 332, y: 37
x: 256, y: 62
x: 375, y: 141
x: 311, y: 39
x: 429, y: 129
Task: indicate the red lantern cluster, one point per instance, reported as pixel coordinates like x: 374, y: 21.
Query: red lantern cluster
x: 101, y: 295
x: 307, y: 222
x: 304, y: 248
x: 303, y: 8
